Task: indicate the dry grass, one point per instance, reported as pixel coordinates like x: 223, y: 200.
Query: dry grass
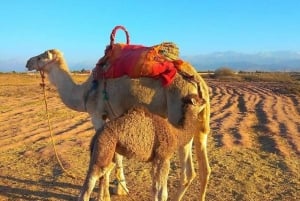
x: 253, y: 147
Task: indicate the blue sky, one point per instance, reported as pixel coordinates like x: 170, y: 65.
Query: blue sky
x: 81, y: 29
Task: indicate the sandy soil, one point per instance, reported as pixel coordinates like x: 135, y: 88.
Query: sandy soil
x: 254, y: 145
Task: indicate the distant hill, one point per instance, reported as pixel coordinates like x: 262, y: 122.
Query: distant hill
x: 263, y: 61
x: 10, y: 65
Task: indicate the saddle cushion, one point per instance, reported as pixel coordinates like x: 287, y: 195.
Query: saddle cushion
x: 159, y: 61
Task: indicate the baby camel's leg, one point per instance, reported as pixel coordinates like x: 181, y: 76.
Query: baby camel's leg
x: 93, y: 174
x: 121, y: 188
x: 103, y: 194
x: 160, y: 172
x: 100, y: 163
x: 187, y: 169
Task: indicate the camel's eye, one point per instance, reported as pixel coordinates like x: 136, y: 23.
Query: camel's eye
x: 39, y: 58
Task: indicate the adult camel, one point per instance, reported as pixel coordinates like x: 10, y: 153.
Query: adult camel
x: 122, y: 94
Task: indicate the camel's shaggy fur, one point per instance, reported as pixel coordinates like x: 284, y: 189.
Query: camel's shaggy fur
x: 124, y: 93
x: 144, y: 136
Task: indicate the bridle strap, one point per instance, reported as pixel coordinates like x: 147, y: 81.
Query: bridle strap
x: 41, y: 68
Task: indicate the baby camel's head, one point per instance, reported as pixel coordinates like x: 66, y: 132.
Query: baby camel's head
x: 192, y: 101
x: 191, y: 107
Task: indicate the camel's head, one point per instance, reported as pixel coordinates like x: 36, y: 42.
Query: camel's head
x: 44, y: 60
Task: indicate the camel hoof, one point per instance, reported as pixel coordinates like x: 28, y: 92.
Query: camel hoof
x: 119, y: 188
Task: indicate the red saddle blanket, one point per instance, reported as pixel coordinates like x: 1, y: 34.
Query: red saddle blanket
x: 159, y: 61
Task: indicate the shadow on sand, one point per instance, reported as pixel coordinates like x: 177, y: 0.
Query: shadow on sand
x: 267, y: 142
x: 42, y: 193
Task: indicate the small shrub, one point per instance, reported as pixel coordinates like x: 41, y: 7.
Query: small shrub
x: 226, y: 74
x: 224, y: 71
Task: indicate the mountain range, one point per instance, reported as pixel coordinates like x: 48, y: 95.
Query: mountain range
x: 263, y: 61
x: 286, y: 61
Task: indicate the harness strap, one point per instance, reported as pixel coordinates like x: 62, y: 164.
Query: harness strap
x: 41, y: 68
x: 106, y: 99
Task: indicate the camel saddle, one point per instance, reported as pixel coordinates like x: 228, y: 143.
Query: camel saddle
x: 159, y: 61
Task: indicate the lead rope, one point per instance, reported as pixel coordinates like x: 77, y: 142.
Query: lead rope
x: 50, y: 127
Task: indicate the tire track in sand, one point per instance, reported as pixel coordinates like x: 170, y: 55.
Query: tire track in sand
x: 252, y: 114
x: 23, y: 120
x: 229, y: 112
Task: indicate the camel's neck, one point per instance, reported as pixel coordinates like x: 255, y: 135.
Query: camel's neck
x: 186, y: 131
x: 72, y: 94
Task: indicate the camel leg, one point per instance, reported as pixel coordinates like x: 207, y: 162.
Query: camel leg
x: 103, y: 194
x: 89, y: 184
x: 160, y: 172
x: 121, y: 188
x: 187, y: 169
x: 94, y: 173
x: 204, y: 168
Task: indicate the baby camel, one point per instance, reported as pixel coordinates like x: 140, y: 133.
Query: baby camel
x: 144, y: 136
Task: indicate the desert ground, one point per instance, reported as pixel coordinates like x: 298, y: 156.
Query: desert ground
x: 253, y: 147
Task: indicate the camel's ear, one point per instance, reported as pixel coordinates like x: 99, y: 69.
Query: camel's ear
x: 54, y: 53
x: 196, y: 101
x: 193, y: 101
x: 49, y: 54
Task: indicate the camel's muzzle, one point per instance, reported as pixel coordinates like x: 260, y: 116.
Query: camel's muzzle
x: 29, y: 65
